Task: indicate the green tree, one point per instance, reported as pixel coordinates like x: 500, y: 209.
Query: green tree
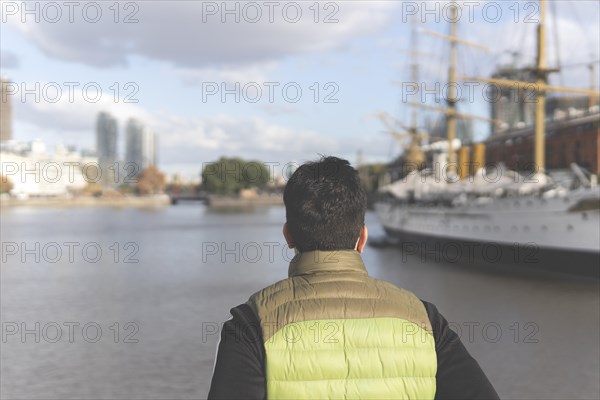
x: 228, y: 175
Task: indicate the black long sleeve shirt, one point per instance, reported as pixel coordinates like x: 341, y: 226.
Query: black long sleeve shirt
x: 240, y: 365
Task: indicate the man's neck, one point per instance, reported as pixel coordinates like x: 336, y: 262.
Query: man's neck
x: 318, y: 261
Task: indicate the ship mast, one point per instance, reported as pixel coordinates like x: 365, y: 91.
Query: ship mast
x: 414, y: 71
x: 451, y: 101
x: 592, y: 99
x: 542, y: 80
x: 541, y: 87
x: 451, y: 110
x: 413, y: 156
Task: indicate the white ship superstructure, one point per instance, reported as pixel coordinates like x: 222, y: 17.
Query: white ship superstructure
x: 511, y: 210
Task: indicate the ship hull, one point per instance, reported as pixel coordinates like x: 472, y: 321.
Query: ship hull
x: 474, y: 254
x: 544, y: 233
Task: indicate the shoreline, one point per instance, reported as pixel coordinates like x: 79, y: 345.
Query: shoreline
x: 163, y: 200
x: 116, y: 202
x: 240, y: 202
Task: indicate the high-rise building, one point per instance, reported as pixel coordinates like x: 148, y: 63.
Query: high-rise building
x: 5, y: 112
x: 513, y: 106
x: 464, y: 129
x: 140, y: 145
x: 106, y: 148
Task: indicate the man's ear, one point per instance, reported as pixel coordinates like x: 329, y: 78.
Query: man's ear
x: 288, y: 236
x: 362, y: 239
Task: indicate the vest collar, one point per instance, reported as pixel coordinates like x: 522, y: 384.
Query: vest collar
x: 326, y: 261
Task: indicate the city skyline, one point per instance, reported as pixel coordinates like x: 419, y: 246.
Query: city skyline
x: 190, y: 93
x: 106, y: 147
x: 141, y: 144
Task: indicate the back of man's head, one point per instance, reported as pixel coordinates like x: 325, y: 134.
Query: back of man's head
x: 325, y: 205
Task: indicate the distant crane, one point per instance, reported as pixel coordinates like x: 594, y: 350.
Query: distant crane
x: 413, y: 158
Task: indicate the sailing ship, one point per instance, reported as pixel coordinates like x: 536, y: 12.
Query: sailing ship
x: 495, y: 214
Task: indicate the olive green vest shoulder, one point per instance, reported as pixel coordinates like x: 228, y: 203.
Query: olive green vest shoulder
x: 332, y: 331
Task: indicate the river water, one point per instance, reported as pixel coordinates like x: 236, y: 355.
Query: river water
x: 124, y: 304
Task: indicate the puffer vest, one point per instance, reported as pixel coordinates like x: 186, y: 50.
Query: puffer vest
x: 331, y: 331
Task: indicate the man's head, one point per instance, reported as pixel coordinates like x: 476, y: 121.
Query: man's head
x: 325, y: 207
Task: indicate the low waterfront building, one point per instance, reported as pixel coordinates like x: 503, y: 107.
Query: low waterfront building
x: 34, y: 172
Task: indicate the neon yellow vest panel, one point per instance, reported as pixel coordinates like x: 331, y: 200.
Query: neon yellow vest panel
x: 332, y: 332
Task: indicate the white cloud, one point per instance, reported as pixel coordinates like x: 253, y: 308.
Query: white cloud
x: 184, y: 34
x: 256, y: 72
x: 183, y: 140
x: 253, y: 137
x: 78, y: 115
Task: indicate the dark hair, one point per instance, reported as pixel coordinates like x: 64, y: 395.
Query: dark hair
x: 325, y: 205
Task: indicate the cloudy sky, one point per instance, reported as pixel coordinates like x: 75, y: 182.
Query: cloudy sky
x: 274, y: 81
